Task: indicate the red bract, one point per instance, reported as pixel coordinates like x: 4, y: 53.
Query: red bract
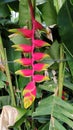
x: 39, y: 56
x: 40, y: 78
x: 29, y: 94
x: 24, y: 61
x: 25, y: 32
x: 40, y: 43
x: 23, y: 47
x: 40, y: 67
x: 24, y: 72
x: 38, y: 25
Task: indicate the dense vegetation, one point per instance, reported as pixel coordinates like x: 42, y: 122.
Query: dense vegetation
x: 50, y: 106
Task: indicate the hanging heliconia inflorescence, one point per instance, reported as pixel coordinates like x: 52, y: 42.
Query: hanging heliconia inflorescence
x: 29, y: 91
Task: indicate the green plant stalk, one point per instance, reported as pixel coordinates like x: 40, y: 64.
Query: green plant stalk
x: 34, y: 6
x: 1, y: 48
x: 61, y: 71
x: 9, y: 80
x: 4, y: 58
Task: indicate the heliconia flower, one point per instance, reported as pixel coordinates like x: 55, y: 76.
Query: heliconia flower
x: 29, y: 94
x: 24, y: 72
x: 38, y: 25
x: 39, y: 56
x: 40, y: 78
x: 25, y: 32
x: 24, y: 61
x: 40, y: 43
x: 40, y: 66
x: 23, y: 47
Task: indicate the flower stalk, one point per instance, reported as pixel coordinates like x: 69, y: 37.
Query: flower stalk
x: 61, y: 72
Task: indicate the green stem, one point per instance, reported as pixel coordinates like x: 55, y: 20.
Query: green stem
x: 4, y: 58
x: 33, y: 126
x: 18, y: 94
x: 61, y: 71
x: 10, y: 83
x: 34, y: 6
x: 1, y: 48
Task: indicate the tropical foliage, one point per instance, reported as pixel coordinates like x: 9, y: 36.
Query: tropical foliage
x: 36, y: 57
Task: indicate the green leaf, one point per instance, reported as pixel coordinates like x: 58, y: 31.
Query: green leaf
x: 4, y: 11
x: 64, y: 119
x: 14, y: 5
x: 65, y: 22
x: 63, y: 111
x: 68, y: 84
x: 21, y: 116
x: 70, y: 62
x: 48, y: 86
x: 40, y: 2
x: 48, y: 12
x: 2, y: 84
x: 4, y: 100
x: 44, y: 107
x: 45, y: 127
x: 11, y: 55
x: 58, y: 125
x: 19, y: 39
x: 64, y: 104
x: 71, y: 1
x: 54, y: 50
x: 3, y: 76
x: 24, y: 14
x: 56, y: 108
x: 21, y: 112
x: 58, y: 4
x: 24, y: 83
x: 5, y: 1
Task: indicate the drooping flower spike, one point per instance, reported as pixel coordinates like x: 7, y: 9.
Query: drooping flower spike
x: 29, y: 92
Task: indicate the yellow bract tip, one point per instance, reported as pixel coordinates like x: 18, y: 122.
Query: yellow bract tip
x: 47, y: 44
x: 13, y: 30
x: 15, y: 46
x: 17, y: 61
x: 18, y: 72
x: 47, y: 78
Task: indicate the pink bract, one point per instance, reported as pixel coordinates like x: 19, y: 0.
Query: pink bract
x: 40, y: 66
x: 24, y: 61
x: 24, y: 72
x: 39, y: 56
x: 40, y: 78
x: 26, y: 32
x: 40, y: 43
x: 38, y: 25
x: 29, y: 94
